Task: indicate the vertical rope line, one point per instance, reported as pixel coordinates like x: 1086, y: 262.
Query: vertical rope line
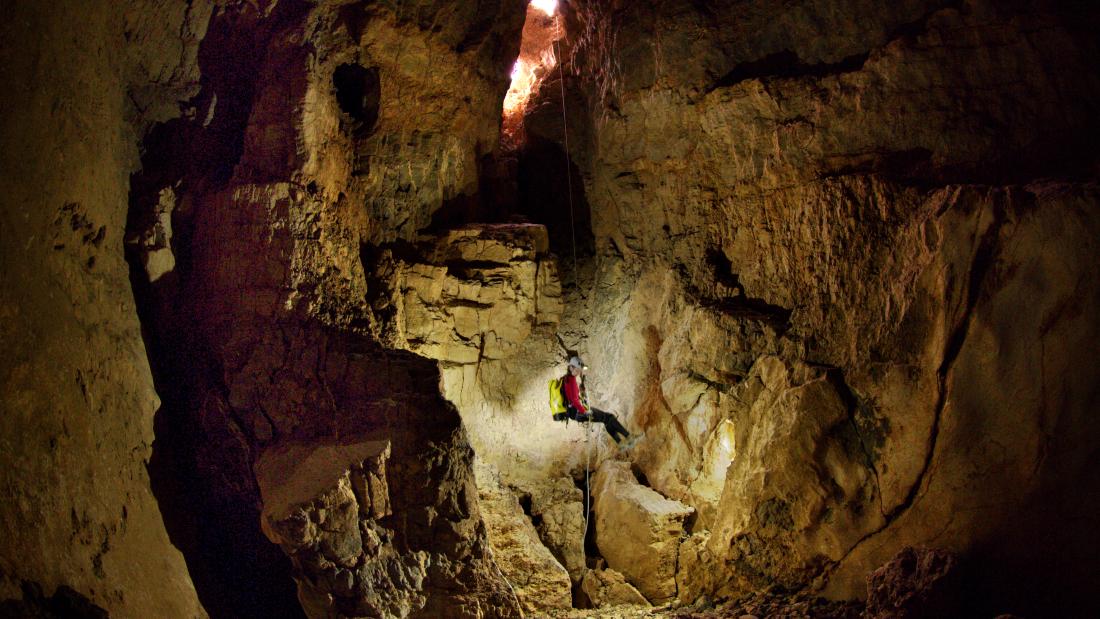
x: 568, y: 174
x: 577, y: 283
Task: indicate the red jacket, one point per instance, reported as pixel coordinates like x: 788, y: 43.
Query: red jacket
x: 573, y: 393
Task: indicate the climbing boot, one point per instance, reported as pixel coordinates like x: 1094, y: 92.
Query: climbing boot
x: 630, y: 441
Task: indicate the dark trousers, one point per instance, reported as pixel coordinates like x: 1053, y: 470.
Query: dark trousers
x: 609, y: 420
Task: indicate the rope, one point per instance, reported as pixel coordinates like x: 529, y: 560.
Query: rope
x: 568, y: 174
x: 577, y: 283
x: 515, y: 595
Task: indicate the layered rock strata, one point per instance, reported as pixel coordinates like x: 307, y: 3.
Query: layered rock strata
x: 469, y: 294
x: 264, y: 335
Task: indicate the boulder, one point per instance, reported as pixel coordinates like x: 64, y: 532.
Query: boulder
x: 322, y: 506
x: 638, y: 530
x: 606, y: 588
x: 557, y: 507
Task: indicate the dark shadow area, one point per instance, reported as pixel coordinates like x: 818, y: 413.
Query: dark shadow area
x: 236, y: 571
x: 737, y: 303
x: 787, y: 64
x: 209, y: 515
x: 357, y: 92
x: 1034, y: 565
x: 65, y: 603
x: 544, y: 176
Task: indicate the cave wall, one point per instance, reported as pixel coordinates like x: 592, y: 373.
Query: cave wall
x: 839, y: 252
x: 84, y: 82
x: 351, y: 123
x: 246, y: 158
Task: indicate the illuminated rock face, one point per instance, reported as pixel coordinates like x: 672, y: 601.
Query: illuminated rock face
x: 606, y: 588
x: 541, y: 582
x: 833, y: 281
x: 471, y: 294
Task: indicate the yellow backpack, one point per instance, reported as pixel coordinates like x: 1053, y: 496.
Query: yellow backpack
x: 557, y: 395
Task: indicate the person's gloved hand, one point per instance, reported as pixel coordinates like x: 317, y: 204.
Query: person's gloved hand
x: 583, y: 416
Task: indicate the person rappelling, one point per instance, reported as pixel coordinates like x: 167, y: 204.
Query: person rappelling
x: 567, y: 401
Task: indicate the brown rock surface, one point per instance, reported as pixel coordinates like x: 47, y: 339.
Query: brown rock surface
x: 471, y: 294
x: 81, y: 529
x: 299, y: 162
x: 856, y: 204
x: 838, y: 262
x: 915, y: 583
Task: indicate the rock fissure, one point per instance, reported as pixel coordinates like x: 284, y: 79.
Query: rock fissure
x: 982, y: 261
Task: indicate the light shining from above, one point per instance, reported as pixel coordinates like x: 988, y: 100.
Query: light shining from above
x: 546, y: 6
x: 537, y: 58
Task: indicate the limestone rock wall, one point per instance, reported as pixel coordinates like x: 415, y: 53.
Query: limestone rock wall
x: 845, y: 196
x: 266, y: 329
x: 469, y: 294
x: 84, y: 80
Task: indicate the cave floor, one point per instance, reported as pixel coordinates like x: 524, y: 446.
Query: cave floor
x: 611, y: 612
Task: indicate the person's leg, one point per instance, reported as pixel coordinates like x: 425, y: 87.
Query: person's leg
x: 614, y: 425
x: 610, y: 423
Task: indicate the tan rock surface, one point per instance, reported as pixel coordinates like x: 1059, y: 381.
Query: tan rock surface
x: 841, y: 272
x: 470, y: 294
x: 353, y: 124
x: 853, y: 205
x: 638, y: 531
x: 539, y: 580
x: 607, y: 588
x: 558, y: 507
